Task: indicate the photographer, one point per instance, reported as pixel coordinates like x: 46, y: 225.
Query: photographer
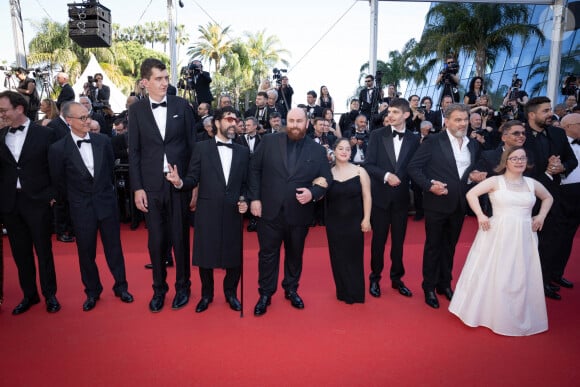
x: 99, y: 93
x: 480, y: 130
x: 570, y: 86
x: 199, y: 81
x: 516, y: 93
x: 284, y: 89
x: 27, y: 87
x: 448, y: 78
x: 413, y: 122
x: 359, y: 140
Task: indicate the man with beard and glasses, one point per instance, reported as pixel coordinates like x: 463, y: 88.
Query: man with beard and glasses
x: 288, y: 173
x: 552, y: 158
x: 220, y: 202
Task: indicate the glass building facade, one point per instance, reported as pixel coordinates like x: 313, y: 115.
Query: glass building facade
x: 528, y: 61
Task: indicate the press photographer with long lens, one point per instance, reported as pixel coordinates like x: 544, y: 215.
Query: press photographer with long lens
x: 27, y: 87
x: 284, y: 89
x: 448, y: 78
x: 97, y: 92
x: 515, y: 93
x: 195, y: 82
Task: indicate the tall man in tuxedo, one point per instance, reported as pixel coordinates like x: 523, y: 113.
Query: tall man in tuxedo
x: 283, y: 190
x: 219, y: 168
x: 161, y: 134
x: 369, y: 97
x: 25, y: 200
x: 67, y: 94
x: 551, y: 155
x: 81, y: 166
x: 442, y: 166
x: 388, y: 153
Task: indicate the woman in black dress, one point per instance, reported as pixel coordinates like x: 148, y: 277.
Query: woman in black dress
x: 348, y: 215
x: 325, y: 100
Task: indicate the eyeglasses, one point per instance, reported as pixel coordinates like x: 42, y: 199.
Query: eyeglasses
x: 82, y: 118
x: 450, y: 62
x: 368, y: 80
x: 521, y: 159
x: 231, y: 120
x: 518, y: 134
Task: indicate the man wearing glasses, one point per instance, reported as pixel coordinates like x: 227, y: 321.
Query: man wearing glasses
x: 26, y: 198
x: 160, y: 135
x: 100, y: 93
x: 369, y: 97
x: 81, y: 167
x: 448, y: 78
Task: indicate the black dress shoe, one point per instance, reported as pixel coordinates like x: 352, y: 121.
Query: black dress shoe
x: 125, y: 296
x: 295, y: 299
x: 447, y: 292
x: 554, y: 287
x: 234, y: 303
x: 181, y: 299
x: 168, y: 263
x: 431, y: 300
x: 52, y: 305
x: 262, y: 305
x: 25, y: 304
x: 375, y: 289
x: 156, y: 303
x: 65, y: 238
x: 90, y: 303
x: 202, y: 304
x: 252, y: 226
x: 564, y: 283
x: 403, y: 290
x: 551, y: 293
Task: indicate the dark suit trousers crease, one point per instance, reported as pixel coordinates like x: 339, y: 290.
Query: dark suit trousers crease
x: 86, y: 227
x: 571, y: 208
x: 231, y: 281
x: 549, y: 240
x: 271, y: 235
x: 442, y: 233
x: 168, y: 210
x: 395, y: 219
x: 29, y: 225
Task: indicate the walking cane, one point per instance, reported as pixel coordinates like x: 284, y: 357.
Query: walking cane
x: 241, y: 199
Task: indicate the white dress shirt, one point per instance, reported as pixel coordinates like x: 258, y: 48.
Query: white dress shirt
x: 15, y: 142
x: 86, y: 151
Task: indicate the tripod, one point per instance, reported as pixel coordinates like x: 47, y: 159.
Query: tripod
x: 46, y: 88
x: 9, y: 81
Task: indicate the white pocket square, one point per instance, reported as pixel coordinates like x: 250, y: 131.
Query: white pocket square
x: 175, y: 116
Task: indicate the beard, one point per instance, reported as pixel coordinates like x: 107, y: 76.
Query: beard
x: 295, y: 134
x: 229, y: 132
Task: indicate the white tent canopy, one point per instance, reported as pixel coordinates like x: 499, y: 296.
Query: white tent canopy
x: 117, y: 99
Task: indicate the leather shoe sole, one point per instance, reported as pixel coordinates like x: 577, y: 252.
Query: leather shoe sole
x: 52, y: 305
x: 563, y: 282
x: 295, y: 299
x: 403, y: 290
x: 125, y: 296
x: 24, y: 305
x: 156, y: 303
x: 181, y: 299
x: 431, y: 300
x: 375, y: 289
x: 90, y: 303
x: 234, y: 303
x: 202, y: 305
x: 262, y: 305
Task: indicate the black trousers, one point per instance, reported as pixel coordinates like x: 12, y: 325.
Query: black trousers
x: 168, y: 210
x: 382, y: 219
x: 441, y: 236
x: 29, y: 227
x: 570, y: 204
x: 231, y: 281
x: 271, y: 235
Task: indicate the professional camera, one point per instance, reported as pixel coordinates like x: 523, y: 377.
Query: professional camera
x: 361, y: 136
x: 8, y: 71
x: 422, y: 109
x: 570, y: 85
x: 91, y: 81
x: 186, y: 75
x: 277, y: 75
x: 449, y: 69
x: 483, y: 113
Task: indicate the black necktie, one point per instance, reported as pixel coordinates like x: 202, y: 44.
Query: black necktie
x: 80, y: 142
x: 156, y: 105
x: 576, y: 142
x: 13, y: 130
x: 400, y: 134
x: 229, y: 145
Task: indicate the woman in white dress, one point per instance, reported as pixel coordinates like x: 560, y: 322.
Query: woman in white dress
x: 500, y: 286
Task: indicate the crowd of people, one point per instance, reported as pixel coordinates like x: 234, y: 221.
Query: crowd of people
x: 287, y: 169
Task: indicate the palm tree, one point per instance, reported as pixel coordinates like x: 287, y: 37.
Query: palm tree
x: 213, y: 44
x: 264, y: 53
x: 478, y: 29
x: 237, y: 73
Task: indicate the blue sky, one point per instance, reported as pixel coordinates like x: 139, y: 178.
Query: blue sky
x: 299, y: 24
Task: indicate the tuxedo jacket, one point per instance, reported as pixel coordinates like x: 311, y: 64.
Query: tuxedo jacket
x: 434, y: 160
x: 489, y: 160
x: 270, y: 181
x: 31, y: 168
x: 202, y: 89
x: 146, y: 146
x: 366, y: 107
x: 103, y: 95
x: 60, y: 127
x: 67, y: 94
x: 436, y: 118
x: 380, y: 159
x: 120, y: 145
x: 265, y: 121
x: 74, y: 181
x: 242, y: 140
x: 217, y: 219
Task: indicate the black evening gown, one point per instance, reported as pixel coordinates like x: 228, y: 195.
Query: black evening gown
x: 345, y: 239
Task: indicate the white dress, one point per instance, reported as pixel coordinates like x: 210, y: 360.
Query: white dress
x: 500, y: 286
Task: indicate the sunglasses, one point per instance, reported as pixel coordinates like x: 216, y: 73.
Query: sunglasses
x: 231, y: 120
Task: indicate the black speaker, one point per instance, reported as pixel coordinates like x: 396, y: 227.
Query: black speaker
x: 89, y: 24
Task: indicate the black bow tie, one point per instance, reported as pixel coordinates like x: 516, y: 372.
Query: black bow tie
x: 13, y: 130
x: 576, y: 142
x: 156, y: 105
x: 80, y: 142
x: 400, y: 134
x: 251, y: 137
x: 228, y: 144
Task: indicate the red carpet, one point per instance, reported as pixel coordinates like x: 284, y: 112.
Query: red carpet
x: 387, y: 341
